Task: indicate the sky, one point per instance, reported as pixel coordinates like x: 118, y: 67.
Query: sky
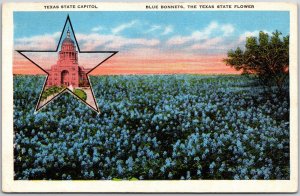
x: 153, y: 42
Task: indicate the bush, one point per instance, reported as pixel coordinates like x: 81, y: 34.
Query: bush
x: 265, y: 56
x: 80, y: 93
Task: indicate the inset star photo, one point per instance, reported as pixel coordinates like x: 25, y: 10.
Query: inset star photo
x: 66, y: 75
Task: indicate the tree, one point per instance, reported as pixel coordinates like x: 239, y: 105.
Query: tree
x: 266, y: 57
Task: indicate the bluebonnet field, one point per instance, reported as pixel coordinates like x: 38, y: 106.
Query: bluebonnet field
x: 153, y: 127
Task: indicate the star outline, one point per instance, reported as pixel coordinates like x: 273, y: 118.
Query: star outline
x: 67, y: 89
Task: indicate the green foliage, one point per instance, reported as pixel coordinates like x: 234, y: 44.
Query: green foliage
x: 81, y: 94
x: 264, y: 56
x: 116, y: 179
x: 51, y: 91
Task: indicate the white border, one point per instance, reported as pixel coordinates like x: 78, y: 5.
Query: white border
x: 10, y: 185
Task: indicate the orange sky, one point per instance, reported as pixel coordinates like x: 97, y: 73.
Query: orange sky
x: 121, y: 64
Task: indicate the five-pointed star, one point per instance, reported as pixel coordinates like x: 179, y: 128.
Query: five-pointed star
x: 90, y: 101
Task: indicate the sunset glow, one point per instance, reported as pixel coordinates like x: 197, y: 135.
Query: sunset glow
x: 122, y: 64
x: 147, y: 42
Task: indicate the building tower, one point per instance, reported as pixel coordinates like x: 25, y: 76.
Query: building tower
x: 68, y: 54
x: 67, y: 72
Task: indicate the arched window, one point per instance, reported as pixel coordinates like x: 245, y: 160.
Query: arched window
x: 65, y: 78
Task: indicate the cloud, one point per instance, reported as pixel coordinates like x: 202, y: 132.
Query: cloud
x: 120, y: 42
x: 214, y: 38
x: 227, y: 29
x: 153, y: 28
x: 115, y: 42
x: 159, y: 29
x: 168, y: 29
x: 208, y: 44
x: 97, y: 28
x: 246, y: 34
x: 213, y: 28
x: 93, y: 40
x: 124, y: 26
x: 222, y: 45
x: 42, y: 42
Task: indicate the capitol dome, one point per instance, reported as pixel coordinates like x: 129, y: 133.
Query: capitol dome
x: 68, y: 39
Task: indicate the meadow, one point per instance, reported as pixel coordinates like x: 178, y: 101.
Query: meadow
x: 153, y: 127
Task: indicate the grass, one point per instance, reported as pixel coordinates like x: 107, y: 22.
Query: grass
x: 81, y: 94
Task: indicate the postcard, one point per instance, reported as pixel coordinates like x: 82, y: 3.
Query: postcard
x: 149, y: 97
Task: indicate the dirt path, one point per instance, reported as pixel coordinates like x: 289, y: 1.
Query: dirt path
x: 89, y: 95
